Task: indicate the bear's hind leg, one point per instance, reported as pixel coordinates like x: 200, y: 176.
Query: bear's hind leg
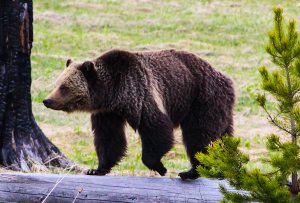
x: 109, y: 140
x: 156, y: 133
x: 229, y: 130
x: 198, y: 131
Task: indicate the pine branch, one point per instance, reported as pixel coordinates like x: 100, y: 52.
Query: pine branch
x: 265, y: 192
x: 279, y: 113
x: 296, y: 91
x: 275, y: 92
x: 273, y: 121
x: 279, y: 126
x: 271, y: 173
x: 274, y: 55
x: 296, y: 55
x: 278, y: 21
x: 273, y: 42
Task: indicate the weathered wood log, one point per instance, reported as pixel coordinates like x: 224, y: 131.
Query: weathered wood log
x: 35, y: 187
x: 21, y: 140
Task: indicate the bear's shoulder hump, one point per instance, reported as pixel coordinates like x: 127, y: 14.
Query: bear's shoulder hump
x: 117, y: 56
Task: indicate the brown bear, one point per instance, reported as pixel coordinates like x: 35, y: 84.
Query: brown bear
x: 154, y: 92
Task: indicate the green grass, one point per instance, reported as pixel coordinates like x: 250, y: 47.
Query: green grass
x: 228, y: 34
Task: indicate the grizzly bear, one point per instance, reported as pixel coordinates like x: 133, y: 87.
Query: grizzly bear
x: 154, y: 92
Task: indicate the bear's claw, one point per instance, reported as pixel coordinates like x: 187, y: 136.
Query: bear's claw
x: 97, y: 172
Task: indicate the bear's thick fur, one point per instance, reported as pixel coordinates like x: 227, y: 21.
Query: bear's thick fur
x: 154, y: 92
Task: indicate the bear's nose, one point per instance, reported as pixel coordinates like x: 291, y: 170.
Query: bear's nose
x: 47, y: 102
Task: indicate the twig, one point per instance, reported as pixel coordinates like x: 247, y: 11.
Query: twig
x: 79, y: 191
x: 58, y: 183
x: 296, y: 91
x: 274, y: 55
x: 279, y: 113
x: 56, y: 157
x: 62, y: 173
x: 277, y: 92
x: 273, y: 42
x: 273, y: 121
x: 271, y: 173
x: 296, y: 55
x: 280, y: 127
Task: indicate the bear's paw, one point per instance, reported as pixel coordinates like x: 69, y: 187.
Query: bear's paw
x: 191, y: 174
x: 97, y: 172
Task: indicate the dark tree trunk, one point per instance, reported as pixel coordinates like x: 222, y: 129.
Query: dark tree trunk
x: 21, y: 140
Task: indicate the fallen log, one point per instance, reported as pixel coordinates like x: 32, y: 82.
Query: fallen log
x: 25, y: 187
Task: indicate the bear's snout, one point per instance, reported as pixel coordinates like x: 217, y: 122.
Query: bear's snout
x: 47, y: 102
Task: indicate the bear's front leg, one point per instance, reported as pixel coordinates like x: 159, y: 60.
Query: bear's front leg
x: 109, y: 141
x: 156, y: 131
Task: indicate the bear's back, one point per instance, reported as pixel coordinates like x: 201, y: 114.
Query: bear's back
x: 182, y: 77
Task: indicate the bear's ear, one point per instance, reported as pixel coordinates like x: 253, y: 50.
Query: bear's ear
x: 88, y: 69
x: 69, y: 61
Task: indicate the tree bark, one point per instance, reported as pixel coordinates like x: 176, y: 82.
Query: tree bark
x: 21, y: 140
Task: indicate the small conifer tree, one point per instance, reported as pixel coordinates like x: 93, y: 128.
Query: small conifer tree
x: 225, y: 160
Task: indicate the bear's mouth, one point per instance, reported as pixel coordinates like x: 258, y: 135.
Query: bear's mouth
x: 51, y: 105
x: 66, y: 108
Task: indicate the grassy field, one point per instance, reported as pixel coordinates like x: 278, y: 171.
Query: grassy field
x: 228, y: 34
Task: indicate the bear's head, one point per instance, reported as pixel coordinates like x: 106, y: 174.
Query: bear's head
x: 71, y: 90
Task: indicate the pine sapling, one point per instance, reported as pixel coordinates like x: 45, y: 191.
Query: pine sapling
x: 225, y: 160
